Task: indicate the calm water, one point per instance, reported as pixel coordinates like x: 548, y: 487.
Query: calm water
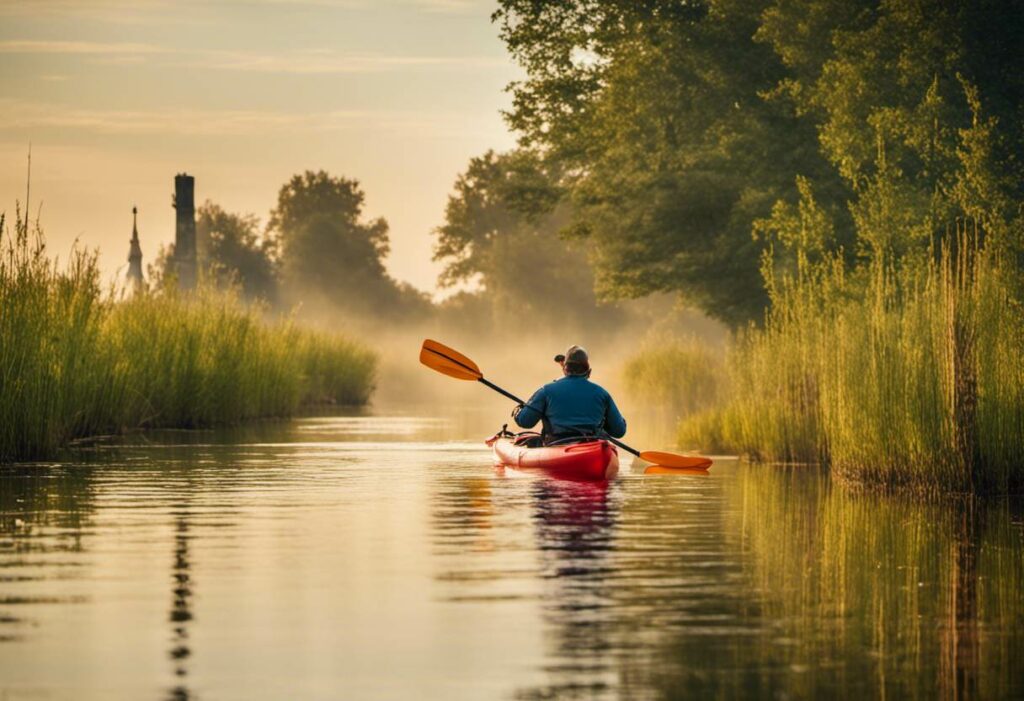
x: 382, y: 557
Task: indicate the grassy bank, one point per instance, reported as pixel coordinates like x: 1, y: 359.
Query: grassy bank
x: 897, y: 376
x: 76, y: 362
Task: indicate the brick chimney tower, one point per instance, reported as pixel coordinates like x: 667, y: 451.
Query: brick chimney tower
x: 185, y: 231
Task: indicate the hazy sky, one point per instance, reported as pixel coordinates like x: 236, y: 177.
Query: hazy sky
x: 117, y: 96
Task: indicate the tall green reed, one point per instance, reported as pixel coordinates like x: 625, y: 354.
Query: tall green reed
x: 680, y: 374
x: 925, y: 384
x: 902, y: 375
x: 75, y: 361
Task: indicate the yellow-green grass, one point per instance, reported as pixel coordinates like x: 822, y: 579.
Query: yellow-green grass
x: 924, y: 386
x: 906, y: 377
x: 75, y: 361
x: 680, y: 374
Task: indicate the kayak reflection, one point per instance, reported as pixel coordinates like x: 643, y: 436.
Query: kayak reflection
x: 575, y: 527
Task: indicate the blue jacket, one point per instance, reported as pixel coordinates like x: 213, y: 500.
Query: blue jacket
x: 573, y: 402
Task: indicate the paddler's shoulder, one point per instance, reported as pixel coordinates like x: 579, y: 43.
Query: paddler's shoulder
x: 577, y: 381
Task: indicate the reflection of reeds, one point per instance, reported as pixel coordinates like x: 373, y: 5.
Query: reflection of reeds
x: 907, y: 375
x: 907, y: 599
x: 74, y: 362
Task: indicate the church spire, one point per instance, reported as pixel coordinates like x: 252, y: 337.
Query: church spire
x: 135, y: 254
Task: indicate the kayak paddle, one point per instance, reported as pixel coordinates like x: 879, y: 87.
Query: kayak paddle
x: 450, y: 362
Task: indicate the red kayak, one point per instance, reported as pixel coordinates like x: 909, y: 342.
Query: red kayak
x: 590, y: 460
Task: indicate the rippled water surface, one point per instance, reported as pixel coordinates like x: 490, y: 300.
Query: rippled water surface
x: 383, y: 557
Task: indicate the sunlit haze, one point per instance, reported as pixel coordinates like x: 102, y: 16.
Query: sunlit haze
x: 116, y: 97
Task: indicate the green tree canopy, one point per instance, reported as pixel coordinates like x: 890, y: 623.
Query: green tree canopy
x: 329, y: 255
x: 655, y: 111
x: 685, y: 126
x: 232, y: 251
x: 501, y: 232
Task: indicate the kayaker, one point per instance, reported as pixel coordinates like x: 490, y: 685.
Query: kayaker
x: 572, y: 406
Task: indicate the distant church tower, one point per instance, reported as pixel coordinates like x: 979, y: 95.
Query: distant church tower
x: 185, y: 231
x: 135, y: 278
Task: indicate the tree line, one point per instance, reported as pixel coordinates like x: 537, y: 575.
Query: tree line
x: 702, y: 146
x: 317, y: 249
x: 499, y: 244
x: 696, y: 147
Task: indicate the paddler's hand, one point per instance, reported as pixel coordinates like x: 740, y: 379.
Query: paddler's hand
x: 515, y: 412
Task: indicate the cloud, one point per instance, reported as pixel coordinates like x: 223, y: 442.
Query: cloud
x: 453, y: 6
x: 157, y: 10
x: 330, y: 62
x: 21, y: 114
x: 309, y: 61
x: 29, y: 115
x: 110, y: 11
x: 42, y: 46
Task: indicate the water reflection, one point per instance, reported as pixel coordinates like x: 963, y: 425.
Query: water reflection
x: 763, y: 582
x: 181, y: 607
x: 882, y: 596
x: 959, y: 640
x: 330, y: 557
x: 44, y: 511
x: 575, y: 530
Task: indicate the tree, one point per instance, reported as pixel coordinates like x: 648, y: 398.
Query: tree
x: 501, y: 232
x: 328, y: 254
x: 916, y: 109
x: 654, y: 111
x: 686, y: 126
x: 230, y: 252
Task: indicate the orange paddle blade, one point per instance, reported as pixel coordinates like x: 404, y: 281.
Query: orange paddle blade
x: 662, y: 470
x: 448, y: 361
x: 673, y: 460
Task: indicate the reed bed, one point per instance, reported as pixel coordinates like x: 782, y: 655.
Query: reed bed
x: 905, y: 376
x: 924, y: 385
x: 680, y: 374
x: 76, y: 362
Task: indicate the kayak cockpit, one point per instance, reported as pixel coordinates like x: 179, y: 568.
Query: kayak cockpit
x: 583, y: 458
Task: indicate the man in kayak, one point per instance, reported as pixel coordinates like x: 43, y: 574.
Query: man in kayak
x: 572, y: 406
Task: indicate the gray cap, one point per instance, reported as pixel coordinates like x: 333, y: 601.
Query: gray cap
x: 575, y: 360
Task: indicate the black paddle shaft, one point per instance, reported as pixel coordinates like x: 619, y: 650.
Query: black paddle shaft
x: 484, y: 381
x: 499, y: 390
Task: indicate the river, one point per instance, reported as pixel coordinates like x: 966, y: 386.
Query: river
x: 382, y: 557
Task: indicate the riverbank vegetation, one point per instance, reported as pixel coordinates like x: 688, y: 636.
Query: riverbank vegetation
x: 76, y: 361
x: 911, y: 377
x: 679, y: 374
x: 838, y: 181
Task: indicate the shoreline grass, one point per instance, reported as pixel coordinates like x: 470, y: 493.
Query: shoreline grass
x: 77, y: 362
x: 898, y: 377
x: 677, y: 374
